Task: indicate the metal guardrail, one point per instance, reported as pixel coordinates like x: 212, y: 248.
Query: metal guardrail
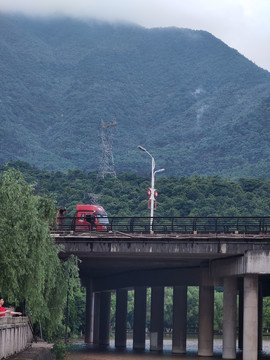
x: 184, y: 225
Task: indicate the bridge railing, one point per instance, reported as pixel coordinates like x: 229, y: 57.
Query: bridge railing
x: 15, y: 335
x: 185, y: 225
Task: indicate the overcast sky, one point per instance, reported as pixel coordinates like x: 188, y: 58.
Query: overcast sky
x: 241, y: 24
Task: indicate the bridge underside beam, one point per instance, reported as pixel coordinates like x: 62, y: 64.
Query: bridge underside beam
x: 252, y: 262
x: 162, y: 277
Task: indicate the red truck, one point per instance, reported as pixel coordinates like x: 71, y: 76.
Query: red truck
x: 90, y: 217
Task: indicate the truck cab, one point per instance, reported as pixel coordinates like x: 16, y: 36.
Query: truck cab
x: 90, y: 218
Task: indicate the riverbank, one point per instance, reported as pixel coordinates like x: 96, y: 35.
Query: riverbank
x: 40, y: 350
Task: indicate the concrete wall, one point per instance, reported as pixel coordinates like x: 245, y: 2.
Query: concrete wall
x: 15, y: 335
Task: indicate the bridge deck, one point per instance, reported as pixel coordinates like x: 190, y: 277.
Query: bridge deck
x: 117, y: 235
x: 115, y: 254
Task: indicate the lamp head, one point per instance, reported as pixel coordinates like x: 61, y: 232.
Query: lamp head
x: 141, y: 148
x: 160, y: 170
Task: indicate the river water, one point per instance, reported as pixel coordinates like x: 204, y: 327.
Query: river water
x: 81, y: 351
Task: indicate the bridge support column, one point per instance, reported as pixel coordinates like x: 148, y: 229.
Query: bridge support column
x: 139, y: 318
x: 96, y: 318
x: 240, y: 315
x: 250, y: 333
x: 89, y: 313
x: 104, y: 325
x: 260, y: 318
x: 121, y: 318
x: 179, y: 335
x: 229, y: 318
x: 157, y: 317
x: 206, y: 314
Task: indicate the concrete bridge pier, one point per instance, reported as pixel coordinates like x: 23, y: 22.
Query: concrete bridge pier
x: 139, y: 318
x: 229, y: 318
x: 89, y: 313
x: 121, y: 318
x: 240, y: 316
x: 157, y: 318
x: 206, y: 314
x: 96, y: 318
x: 104, y: 316
x: 250, y: 330
x: 260, y: 317
x: 179, y: 335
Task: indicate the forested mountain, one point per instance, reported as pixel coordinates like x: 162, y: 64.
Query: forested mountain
x: 196, y: 104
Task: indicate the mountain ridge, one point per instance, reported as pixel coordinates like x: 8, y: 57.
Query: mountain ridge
x: 197, y: 105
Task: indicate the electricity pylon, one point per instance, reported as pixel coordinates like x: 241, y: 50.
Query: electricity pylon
x: 107, y: 161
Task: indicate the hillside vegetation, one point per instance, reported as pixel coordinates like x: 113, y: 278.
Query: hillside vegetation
x: 126, y: 194
x: 196, y: 104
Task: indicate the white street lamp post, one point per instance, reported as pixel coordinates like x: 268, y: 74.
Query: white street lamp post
x: 152, y: 189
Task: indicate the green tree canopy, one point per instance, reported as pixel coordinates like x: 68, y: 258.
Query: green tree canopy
x: 29, y: 262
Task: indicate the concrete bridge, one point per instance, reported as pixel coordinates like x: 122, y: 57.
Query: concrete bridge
x: 117, y: 261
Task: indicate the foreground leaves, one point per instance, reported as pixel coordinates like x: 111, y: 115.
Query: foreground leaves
x: 29, y: 262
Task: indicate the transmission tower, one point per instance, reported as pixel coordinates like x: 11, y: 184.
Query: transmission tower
x: 94, y: 198
x: 107, y: 161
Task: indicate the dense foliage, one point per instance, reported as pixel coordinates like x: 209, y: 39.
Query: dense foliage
x: 197, y: 105
x: 126, y: 195
x: 29, y: 262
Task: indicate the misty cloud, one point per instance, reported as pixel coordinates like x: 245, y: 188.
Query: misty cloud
x: 242, y: 24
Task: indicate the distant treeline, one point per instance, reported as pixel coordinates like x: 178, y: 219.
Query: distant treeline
x: 126, y: 194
